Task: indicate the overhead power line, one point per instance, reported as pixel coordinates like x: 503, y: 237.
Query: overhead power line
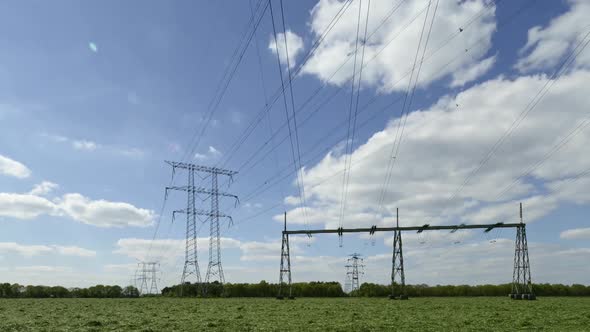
x: 352, y: 118
x: 524, y: 113
x: 227, y: 77
x: 254, y: 123
x: 407, y: 102
x: 501, y: 23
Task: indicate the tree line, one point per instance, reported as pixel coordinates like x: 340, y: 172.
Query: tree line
x: 377, y: 290
x: 300, y: 289
x: 99, y: 291
x: 261, y: 289
x: 334, y: 289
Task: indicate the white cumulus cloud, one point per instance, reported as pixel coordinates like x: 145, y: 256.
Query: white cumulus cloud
x: 35, y: 250
x: 101, y: 213
x: 392, y: 42
x: 24, y: 206
x: 212, y: 153
x: 104, y: 213
x: 546, y: 46
x: 294, y: 44
x: 14, y: 168
x: 85, y: 145
x: 43, y: 188
x: 576, y: 234
x: 444, y: 144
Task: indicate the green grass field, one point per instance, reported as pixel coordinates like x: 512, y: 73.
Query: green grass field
x: 304, y: 314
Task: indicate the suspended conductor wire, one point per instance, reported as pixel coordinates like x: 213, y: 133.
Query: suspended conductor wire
x: 303, y: 198
x: 340, y: 89
x: 503, y: 22
x: 281, y: 90
x: 293, y: 151
x: 524, y: 113
x: 159, y: 219
x: 316, y: 92
x: 226, y: 80
x: 268, y: 118
x: 565, y: 140
x: 353, y: 82
x: 267, y: 183
x: 405, y: 111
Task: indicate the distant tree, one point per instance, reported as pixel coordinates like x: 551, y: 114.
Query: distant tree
x: 58, y: 291
x: 130, y: 291
x: 113, y: 291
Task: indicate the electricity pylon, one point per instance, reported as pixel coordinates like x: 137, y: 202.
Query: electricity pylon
x: 353, y: 270
x: 522, y: 287
x: 397, y: 266
x: 191, y: 266
x: 285, y: 270
x: 147, y: 274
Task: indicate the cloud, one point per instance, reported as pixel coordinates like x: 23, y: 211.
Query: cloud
x: 576, y: 234
x: 85, y: 145
x: 99, y: 213
x: 390, y: 47
x: 294, y: 44
x: 546, y: 46
x: 104, y: 213
x: 14, y: 168
x: 74, y: 251
x: 129, y: 152
x: 169, y: 250
x: 174, y: 147
x: 55, y: 138
x: 24, y: 206
x: 120, y: 267
x: 166, y: 250
x: 270, y: 250
x: 42, y: 269
x: 466, y: 75
x: 35, y: 250
x: 43, y: 188
x: 89, y: 146
x: 212, y: 153
x: 92, y: 46
x: 249, y: 205
x: 444, y: 144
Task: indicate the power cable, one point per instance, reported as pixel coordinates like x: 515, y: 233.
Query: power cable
x: 280, y: 67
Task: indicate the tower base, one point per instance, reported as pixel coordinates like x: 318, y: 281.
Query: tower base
x: 529, y: 297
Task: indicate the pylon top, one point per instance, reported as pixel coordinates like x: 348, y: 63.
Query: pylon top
x: 200, y: 168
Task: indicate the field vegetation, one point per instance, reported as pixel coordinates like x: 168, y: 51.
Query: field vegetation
x: 302, y: 314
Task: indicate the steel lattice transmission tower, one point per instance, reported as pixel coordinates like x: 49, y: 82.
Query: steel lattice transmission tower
x: 285, y: 271
x: 353, y: 270
x: 397, y: 265
x: 191, y: 266
x: 147, y: 275
x: 522, y: 287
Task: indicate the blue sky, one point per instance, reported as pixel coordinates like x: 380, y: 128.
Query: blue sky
x: 95, y: 96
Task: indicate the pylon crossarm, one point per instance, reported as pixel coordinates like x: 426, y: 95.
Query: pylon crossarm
x: 211, y: 214
x: 201, y: 190
x: 403, y: 229
x: 200, y: 168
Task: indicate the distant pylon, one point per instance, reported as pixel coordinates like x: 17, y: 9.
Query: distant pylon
x: 285, y: 264
x: 145, y: 274
x: 397, y: 265
x: 354, y: 269
x: 522, y: 287
x: 140, y: 279
x: 153, y: 275
x: 191, y: 266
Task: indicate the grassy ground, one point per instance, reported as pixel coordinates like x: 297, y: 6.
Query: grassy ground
x: 419, y: 314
